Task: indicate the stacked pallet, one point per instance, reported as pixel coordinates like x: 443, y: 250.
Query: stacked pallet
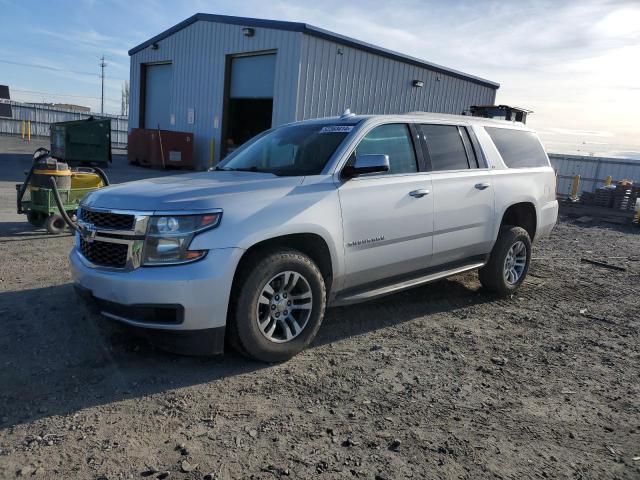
x: 625, y: 196
x: 587, y: 198
x: 604, y: 197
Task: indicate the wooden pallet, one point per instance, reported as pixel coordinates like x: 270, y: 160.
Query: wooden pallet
x: 603, y: 198
x: 609, y: 215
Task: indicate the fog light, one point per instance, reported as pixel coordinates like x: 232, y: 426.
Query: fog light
x: 168, y: 246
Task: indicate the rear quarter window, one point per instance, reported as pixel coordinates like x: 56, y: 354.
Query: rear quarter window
x: 518, y: 148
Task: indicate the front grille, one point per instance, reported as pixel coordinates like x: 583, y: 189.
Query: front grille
x: 105, y: 254
x: 114, y: 221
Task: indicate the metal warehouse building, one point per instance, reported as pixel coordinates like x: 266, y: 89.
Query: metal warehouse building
x: 227, y: 78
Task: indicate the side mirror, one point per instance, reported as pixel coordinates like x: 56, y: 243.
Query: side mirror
x: 374, y: 163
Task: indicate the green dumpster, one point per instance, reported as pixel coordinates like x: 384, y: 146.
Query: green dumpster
x: 82, y: 141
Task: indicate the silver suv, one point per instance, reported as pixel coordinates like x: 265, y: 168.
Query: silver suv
x: 309, y: 215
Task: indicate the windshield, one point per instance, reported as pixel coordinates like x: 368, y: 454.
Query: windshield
x: 292, y: 150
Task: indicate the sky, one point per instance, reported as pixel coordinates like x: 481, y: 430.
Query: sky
x: 576, y: 64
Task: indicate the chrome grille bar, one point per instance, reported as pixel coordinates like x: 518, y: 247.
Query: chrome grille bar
x: 132, y: 237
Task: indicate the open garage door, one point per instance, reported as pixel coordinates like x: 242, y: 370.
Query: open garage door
x: 157, y: 96
x: 249, y: 103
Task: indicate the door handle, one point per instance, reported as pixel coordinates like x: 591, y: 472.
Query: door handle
x: 482, y: 186
x: 419, y: 193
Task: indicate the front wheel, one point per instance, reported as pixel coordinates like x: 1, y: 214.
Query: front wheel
x: 509, y: 261
x: 279, y: 306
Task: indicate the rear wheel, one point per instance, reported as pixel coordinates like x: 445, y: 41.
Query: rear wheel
x: 36, y: 219
x: 509, y: 261
x: 279, y: 306
x: 55, y: 224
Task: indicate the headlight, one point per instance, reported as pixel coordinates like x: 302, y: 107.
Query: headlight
x: 168, y: 238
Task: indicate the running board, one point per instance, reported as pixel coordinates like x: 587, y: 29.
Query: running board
x: 397, y: 287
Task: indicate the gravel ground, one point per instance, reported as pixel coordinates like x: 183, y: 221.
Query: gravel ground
x: 442, y: 381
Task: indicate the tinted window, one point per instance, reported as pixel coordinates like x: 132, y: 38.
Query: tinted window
x: 393, y: 140
x: 518, y: 148
x: 292, y: 150
x: 446, y: 150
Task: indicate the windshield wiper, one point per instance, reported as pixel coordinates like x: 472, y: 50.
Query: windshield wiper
x: 239, y: 169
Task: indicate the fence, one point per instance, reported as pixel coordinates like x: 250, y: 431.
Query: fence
x: 592, y: 170
x: 42, y: 116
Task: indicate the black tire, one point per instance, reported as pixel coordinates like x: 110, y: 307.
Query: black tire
x: 492, y: 275
x: 55, y: 224
x: 36, y: 219
x: 243, y: 329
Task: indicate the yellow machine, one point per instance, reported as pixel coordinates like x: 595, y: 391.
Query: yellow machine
x: 84, y: 179
x: 55, y: 191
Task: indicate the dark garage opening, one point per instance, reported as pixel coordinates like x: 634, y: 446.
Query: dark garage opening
x: 248, y: 98
x: 247, y: 118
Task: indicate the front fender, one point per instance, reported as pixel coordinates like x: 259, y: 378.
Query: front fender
x: 310, y: 208
x: 335, y: 249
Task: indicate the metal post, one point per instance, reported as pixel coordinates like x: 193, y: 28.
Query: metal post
x: 29, y: 131
x: 102, y: 65
x: 212, y: 148
x: 574, y: 188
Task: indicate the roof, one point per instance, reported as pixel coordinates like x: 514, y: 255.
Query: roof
x: 315, y: 32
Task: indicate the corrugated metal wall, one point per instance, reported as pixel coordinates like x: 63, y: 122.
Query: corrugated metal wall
x: 592, y: 170
x: 198, y: 55
x: 312, y: 80
x: 368, y: 83
x: 42, y: 116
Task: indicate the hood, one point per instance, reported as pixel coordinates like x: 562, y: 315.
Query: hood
x: 193, y: 191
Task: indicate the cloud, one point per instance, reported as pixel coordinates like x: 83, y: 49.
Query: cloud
x: 86, y: 40
x: 581, y: 133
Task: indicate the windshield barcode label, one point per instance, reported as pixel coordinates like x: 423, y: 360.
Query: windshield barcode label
x: 337, y: 129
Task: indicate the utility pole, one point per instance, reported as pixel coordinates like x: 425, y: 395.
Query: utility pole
x: 102, y: 65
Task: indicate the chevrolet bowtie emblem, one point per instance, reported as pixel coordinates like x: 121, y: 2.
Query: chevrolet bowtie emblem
x: 87, y: 231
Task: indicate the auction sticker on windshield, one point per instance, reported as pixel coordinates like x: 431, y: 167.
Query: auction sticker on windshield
x: 337, y: 129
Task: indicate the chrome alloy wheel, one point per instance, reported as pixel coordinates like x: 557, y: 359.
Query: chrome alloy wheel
x: 284, y: 307
x: 515, y: 262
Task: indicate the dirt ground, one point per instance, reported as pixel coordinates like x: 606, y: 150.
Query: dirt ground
x: 443, y: 381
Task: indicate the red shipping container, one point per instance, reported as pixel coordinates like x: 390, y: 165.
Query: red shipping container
x: 138, y: 146
x: 161, y: 149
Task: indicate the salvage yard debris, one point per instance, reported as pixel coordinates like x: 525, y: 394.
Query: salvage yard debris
x: 603, y: 264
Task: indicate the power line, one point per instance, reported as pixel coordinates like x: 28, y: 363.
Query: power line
x: 46, y: 67
x: 54, y: 94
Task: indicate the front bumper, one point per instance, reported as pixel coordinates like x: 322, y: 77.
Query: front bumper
x: 198, y: 291
x: 208, y: 341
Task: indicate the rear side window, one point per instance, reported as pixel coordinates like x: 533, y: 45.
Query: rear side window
x: 446, y: 148
x: 394, y: 140
x: 518, y: 148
